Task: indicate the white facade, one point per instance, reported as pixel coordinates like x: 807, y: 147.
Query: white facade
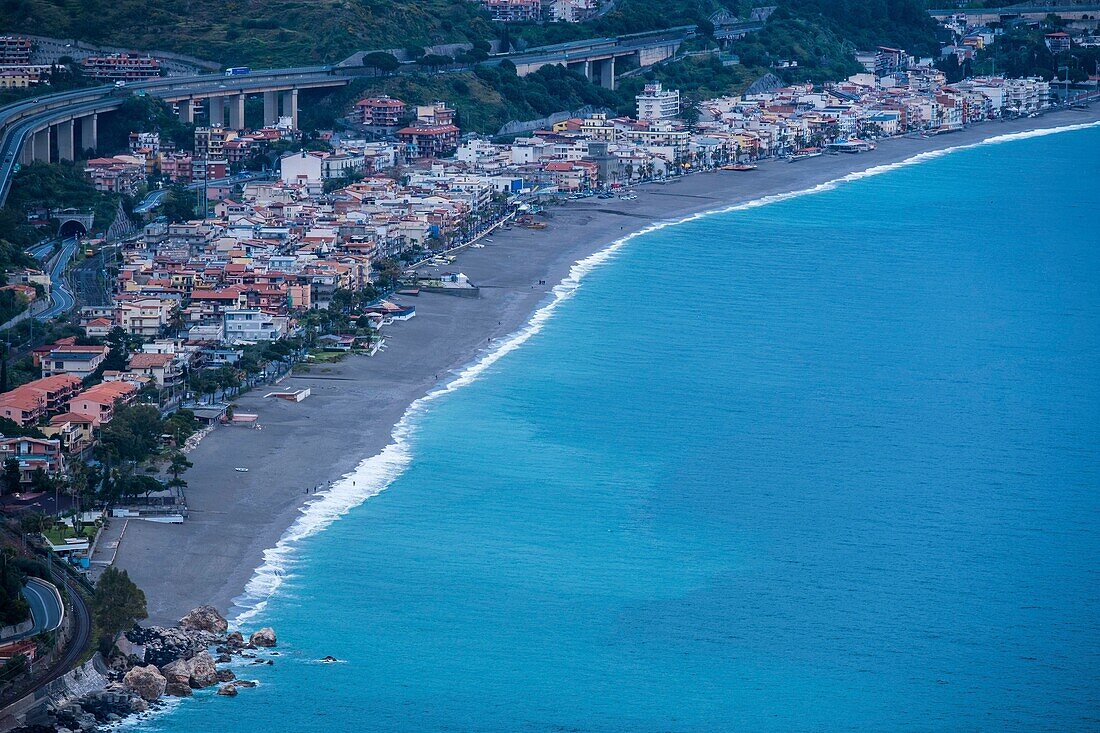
x: 655, y: 103
x: 300, y: 168
x: 252, y: 324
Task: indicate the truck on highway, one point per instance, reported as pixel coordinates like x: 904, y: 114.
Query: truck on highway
x: 237, y: 71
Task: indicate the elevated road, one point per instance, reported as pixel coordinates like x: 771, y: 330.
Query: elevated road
x: 1032, y: 11
x: 58, y: 126
x: 30, y: 130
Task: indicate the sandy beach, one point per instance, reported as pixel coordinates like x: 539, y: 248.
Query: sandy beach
x: 355, y: 404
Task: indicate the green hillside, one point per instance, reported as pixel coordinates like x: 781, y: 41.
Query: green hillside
x: 278, y: 33
x: 271, y: 33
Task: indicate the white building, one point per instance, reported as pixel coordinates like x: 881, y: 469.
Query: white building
x: 655, y: 103
x: 252, y: 324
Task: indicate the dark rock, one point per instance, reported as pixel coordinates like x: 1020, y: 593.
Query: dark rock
x: 226, y: 675
x: 229, y: 690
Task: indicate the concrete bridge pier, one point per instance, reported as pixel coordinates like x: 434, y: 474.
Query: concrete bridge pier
x: 271, y: 108
x: 42, y: 145
x: 290, y: 107
x: 236, y: 112
x: 66, y: 150
x: 602, y: 72
x: 216, y: 110
x: 186, y: 111
x: 89, y: 132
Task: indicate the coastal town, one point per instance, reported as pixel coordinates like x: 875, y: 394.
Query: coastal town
x: 237, y: 260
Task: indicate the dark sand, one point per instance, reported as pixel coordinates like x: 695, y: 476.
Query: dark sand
x: 355, y: 404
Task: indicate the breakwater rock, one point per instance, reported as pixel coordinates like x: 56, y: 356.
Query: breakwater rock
x: 148, y: 664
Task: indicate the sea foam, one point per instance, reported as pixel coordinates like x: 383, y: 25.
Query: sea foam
x: 373, y: 475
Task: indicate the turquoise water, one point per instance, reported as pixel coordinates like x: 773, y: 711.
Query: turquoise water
x: 826, y: 464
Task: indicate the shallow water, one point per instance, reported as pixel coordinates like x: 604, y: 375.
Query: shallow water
x: 826, y: 464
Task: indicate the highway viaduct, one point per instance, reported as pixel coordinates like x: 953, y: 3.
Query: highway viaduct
x: 596, y: 57
x: 60, y: 126
x: 1069, y: 12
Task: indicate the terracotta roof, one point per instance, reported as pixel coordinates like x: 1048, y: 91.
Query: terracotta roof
x: 147, y: 361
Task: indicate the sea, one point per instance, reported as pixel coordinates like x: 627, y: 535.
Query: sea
x: 829, y: 461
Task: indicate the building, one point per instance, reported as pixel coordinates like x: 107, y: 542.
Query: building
x: 32, y: 454
x: 121, y: 67
x: 21, y: 77
x: 514, y: 11
x: 15, y: 51
x: 656, y: 103
x: 429, y: 141
x: 145, y: 317
x: 251, y: 324
x: 210, y: 141
x: 1058, y: 42
x: 437, y: 113
x: 120, y: 174
x: 176, y: 167
x: 380, y: 111
x: 890, y: 60
x: 80, y: 361
x: 164, y: 369
x: 570, y: 11
x: 99, y: 403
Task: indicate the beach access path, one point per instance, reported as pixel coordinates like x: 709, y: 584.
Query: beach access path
x: 355, y: 404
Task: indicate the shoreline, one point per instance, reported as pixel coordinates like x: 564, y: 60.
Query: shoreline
x: 243, y: 526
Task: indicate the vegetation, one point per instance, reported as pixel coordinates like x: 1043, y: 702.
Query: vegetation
x: 277, y: 33
x: 13, y: 606
x: 41, y: 187
x: 821, y: 36
x: 1022, y: 51
x: 117, y: 603
x: 143, y: 114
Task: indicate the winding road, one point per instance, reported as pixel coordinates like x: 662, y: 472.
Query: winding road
x: 61, y: 297
x: 47, y: 610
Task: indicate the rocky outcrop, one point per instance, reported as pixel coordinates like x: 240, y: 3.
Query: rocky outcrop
x: 265, y: 637
x: 197, y: 672
x: 204, y: 618
x: 177, y: 689
x: 234, y: 640
x: 163, y: 645
x: 146, y: 681
x: 229, y: 690
x: 226, y: 675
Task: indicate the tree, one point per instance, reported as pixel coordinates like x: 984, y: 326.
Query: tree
x: 435, y: 60
x: 384, y: 62
x: 178, y: 463
x: 117, y: 603
x: 11, y: 477
x: 179, y: 204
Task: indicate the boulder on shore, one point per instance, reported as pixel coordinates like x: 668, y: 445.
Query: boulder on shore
x: 235, y: 640
x: 265, y: 637
x: 197, y: 672
x: 178, y: 689
x: 226, y: 675
x: 147, y: 682
x: 204, y: 618
x: 229, y: 690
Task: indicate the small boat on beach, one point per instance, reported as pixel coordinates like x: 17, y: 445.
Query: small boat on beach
x: 805, y: 153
